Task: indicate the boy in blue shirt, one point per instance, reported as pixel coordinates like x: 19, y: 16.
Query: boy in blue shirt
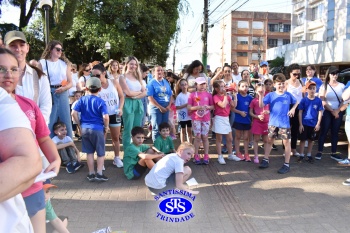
x: 310, y: 115
x: 94, y: 121
x: 279, y: 126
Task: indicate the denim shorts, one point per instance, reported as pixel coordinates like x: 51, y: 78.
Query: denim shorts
x: 35, y: 202
x: 93, y: 140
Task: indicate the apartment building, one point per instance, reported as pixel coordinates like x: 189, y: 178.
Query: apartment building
x: 247, y: 35
x: 320, y: 35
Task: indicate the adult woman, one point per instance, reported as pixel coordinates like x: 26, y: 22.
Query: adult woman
x: 112, y: 94
x: 194, y: 70
x: 160, y: 98
x: 32, y: 84
x: 235, y: 74
x: 311, y: 75
x: 224, y: 74
x: 113, y: 70
x: 34, y: 196
x: 293, y: 86
x: 58, y: 69
x: 75, y: 83
x: 331, y: 96
x: 84, y: 75
x: 134, y: 90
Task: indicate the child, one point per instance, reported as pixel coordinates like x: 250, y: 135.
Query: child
x: 182, y: 112
x: 164, y: 142
x: 200, y: 103
x: 76, y: 129
x: 53, y: 223
x: 94, y: 123
x: 242, y: 122
x: 279, y: 126
x: 223, y: 104
x: 138, y: 156
x: 170, y: 172
x: 310, y: 115
x: 67, y: 150
x: 260, y: 120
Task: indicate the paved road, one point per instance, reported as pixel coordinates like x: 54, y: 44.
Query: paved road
x: 236, y: 197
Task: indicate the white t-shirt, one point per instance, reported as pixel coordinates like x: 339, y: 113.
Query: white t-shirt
x: 182, y: 114
x: 79, y: 113
x: 83, y: 79
x: 75, y: 80
x: 156, y: 178
x: 236, y: 78
x: 331, y: 97
x: 66, y: 139
x: 57, y: 71
x: 14, y: 217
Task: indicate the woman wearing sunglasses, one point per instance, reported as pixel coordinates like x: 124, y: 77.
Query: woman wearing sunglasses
x: 84, y: 75
x: 331, y: 96
x: 58, y: 70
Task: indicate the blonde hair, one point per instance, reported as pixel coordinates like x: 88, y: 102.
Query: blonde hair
x: 110, y: 67
x: 137, y: 74
x: 185, y: 145
x: 50, y: 46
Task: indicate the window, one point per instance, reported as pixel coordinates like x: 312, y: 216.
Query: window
x: 330, y: 20
x: 257, y: 25
x: 317, y: 12
x: 257, y: 41
x: 242, y: 24
x: 300, y: 20
x: 242, y: 54
x: 272, y: 43
x: 242, y: 40
x: 286, y: 28
x: 286, y: 41
x: 273, y: 27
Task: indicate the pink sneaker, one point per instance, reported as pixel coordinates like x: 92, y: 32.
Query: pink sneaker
x: 206, y: 159
x: 256, y: 159
x: 239, y: 155
x: 197, y: 159
x: 247, y: 158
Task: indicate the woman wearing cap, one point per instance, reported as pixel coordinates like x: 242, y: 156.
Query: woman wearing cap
x: 193, y: 71
x: 58, y: 70
x: 112, y: 94
x: 331, y: 96
x: 33, y: 84
x: 160, y: 98
x: 134, y: 90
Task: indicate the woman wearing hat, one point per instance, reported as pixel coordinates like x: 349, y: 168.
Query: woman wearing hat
x: 331, y: 96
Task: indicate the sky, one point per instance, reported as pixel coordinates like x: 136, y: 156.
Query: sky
x: 189, y: 46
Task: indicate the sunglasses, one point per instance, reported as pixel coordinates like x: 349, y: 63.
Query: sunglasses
x: 183, y: 84
x: 87, y: 70
x: 59, y: 49
x: 334, y: 73
x: 97, y: 75
x: 296, y: 75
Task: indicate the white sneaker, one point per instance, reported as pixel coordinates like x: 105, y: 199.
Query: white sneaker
x: 233, y: 157
x: 306, y: 144
x: 103, y: 168
x: 118, y: 162
x: 221, y: 159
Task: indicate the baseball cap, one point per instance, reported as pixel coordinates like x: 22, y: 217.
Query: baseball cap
x: 264, y: 63
x: 200, y: 80
x: 47, y: 184
x: 93, y: 82
x: 307, y: 85
x: 332, y: 69
x: 14, y: 35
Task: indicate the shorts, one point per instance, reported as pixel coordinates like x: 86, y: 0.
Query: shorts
x: 309, y: 133
x: 282, y: 133
x: 221, y: 125
x: 200, y: 127
x: 138, y: 171
x: 170, y: 183
x: 35, y: 202
x: 93, y: 140
x: 347, y: 127
x: 241, y: 126
x: 115, y: 121
x: 74, y: 127
x: 260, y: 128
x: 185, y: 123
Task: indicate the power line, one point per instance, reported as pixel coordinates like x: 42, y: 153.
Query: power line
x: 229, y: 8
x: 217, y: 7
x: 231, y: 11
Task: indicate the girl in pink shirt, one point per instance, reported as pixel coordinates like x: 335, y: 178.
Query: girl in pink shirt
x: 200, y: 103
x: 223, y: 104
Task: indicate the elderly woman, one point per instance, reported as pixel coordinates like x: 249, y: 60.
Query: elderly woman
x: 160, y: 98
x: 58, y: 70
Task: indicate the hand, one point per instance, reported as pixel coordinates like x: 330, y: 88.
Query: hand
x: 335, y: 113
x: 261, y: 117
x: 162, y: 109
x: 266, y: 112
x: 301, y: 128
x: 243, y: 114
x: 160, y: 154
x: 317, y: 127
x: 54, y: 166
x: 291, y: 112
x: 194, y: 192
x: 59, y: 90
x: 260, y: 92
x: 120, y: 112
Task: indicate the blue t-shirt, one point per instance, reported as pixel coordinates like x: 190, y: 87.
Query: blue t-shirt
x: 279, y: 108
x: 159, y: 90
x: 310, y: 110
x: 92, y: 109
x: 314, y: 79
x: 243, y: 105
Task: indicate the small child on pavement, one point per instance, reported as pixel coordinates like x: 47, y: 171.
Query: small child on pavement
x: 164, y: 142
x: 169, y: 172
x: 67, y: 150
x: 310, y: 116
x: 138, y: 156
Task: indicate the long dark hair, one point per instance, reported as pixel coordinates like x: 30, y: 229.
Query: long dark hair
x: 216, y: 84
x: 313, y: 68
x: 50, y: 46
x: 193, y: 65
x: 326, y: 81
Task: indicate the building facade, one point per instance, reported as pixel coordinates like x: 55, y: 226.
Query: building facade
x: 247, y: 35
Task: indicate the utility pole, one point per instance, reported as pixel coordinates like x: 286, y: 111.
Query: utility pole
x: 175, y: 42
x: 205, y: 36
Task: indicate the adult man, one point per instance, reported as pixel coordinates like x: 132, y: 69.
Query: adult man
x: 18, y: 152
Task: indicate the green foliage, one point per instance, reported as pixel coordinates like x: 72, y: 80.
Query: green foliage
x: 277, y: 62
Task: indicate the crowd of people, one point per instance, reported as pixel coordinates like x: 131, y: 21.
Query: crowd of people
x: 52, y: 101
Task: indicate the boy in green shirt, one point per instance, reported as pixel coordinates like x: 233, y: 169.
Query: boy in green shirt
x: 137, y: 156
x: 164, y: 142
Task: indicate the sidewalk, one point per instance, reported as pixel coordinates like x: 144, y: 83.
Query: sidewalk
x: 236, y: 197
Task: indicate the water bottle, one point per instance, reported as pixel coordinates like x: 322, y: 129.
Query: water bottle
x: 118, y: 118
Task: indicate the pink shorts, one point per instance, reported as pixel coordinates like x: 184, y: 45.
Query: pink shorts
x: 260, y: 128
x: 200, y: 127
